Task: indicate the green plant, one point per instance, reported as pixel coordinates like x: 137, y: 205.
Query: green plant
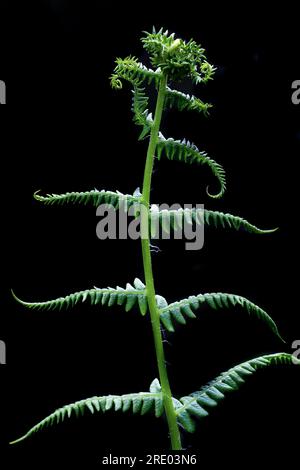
x: 172, y: 60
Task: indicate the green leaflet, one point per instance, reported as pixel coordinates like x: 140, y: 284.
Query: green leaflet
x: 185, y: 102
x: 187, y: 152
x: 142, y: 403
x: 198, y: 404
x: 132, y: 296
x: 133, y: 71
x: 129, y: 297
x: 94, y: 197
x: 176, y: 217
x: 139, y: 105
x: 207, y: 217
x: 218, y: 219
x: 186, y: 308
x: 142, y: 117
x: 136, y: 73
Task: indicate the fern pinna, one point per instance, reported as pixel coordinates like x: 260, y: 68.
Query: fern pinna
x: 172, y: 60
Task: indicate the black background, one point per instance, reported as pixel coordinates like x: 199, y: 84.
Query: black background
x: 64, y: 129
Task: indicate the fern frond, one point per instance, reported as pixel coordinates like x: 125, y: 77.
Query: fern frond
x: 94, y: 197
x: 178, y: 311
x: 177, y: 58
x: 198, y: 404
x: 130, y: 296
x: 175, y: 219
x: 133, y: 71
x: 142, y: 117
x: 183, y: 101
x: 189, y: 153
x: 138, y: 403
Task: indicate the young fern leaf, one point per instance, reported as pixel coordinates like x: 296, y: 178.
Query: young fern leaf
x: 142, y: 117
x: 130, y: 296
x: 133, y: 71
x: 136, y: 73
x: 178, y: 311
x: 94, y: 197
x: 185, y: 102
x: 139, y: 403
x: 187, y: 152
x: 198, y: 404
x: 175, y: 219
x: 176, y: 58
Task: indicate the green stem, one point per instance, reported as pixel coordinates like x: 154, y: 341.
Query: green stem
x: 154, y: 312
